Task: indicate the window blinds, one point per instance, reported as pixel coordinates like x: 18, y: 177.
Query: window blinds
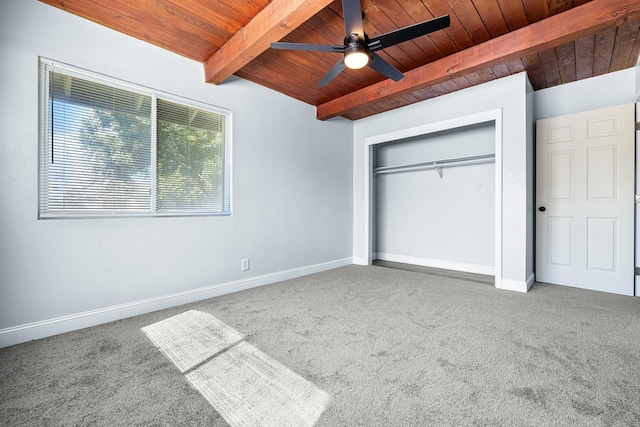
x: 111, y: 149
x: 191, y: 159
x: 98, y: 150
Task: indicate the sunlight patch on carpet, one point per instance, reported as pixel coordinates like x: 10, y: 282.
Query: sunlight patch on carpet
x: 191, y: 338
x: 249, y: 388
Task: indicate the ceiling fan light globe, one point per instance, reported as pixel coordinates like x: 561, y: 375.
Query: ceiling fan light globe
x: 356, y: 60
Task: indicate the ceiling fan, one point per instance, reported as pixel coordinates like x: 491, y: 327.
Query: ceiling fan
x: 359, y: 50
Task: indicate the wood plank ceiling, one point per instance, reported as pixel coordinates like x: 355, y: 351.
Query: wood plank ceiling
x: 554, y: 41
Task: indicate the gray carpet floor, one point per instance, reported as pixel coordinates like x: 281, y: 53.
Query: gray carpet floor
x: 391, y: 347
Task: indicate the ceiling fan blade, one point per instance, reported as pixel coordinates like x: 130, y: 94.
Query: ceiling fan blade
x: 352, y: 11
x: 384, y: 68
x: 307, y: 46
x: 335, y: 70
x: 408, y: 33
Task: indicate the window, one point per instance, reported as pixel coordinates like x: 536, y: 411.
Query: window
x: 109, y: 148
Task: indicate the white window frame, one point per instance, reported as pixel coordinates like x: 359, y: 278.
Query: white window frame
x: 43, y: 138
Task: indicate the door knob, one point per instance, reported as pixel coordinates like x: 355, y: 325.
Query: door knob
x: 542, y: 209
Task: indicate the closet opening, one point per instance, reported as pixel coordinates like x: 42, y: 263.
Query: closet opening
x: 434, y: 198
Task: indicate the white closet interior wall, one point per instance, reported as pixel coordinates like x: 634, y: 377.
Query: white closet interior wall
x: 438, y: 217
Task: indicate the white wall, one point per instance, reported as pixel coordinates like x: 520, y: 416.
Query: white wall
x: 292, y: 200
x: 589, y: 94
x: 443, y: 221
x: 465, y: 141
x: 508, y: 94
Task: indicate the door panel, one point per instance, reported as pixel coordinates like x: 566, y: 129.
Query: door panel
x: 602, y: 244
x: 585, y: 187
x: 601, y: 173
x: 560, y: 240
x: 560, y: 173
x: 560, y: 132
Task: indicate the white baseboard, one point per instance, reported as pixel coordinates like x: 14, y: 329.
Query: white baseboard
x: 360, y: 261
x: 530, y: 281
x: 437, y: 263
x: 45, y: 328
x: 517, y: 285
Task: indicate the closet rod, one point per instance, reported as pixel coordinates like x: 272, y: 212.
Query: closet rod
x: 483, y: 158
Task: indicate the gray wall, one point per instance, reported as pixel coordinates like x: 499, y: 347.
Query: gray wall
x: 449, y: 218
x: 292, y: 192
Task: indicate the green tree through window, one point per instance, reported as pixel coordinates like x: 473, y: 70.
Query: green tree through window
x: 190, y: 155
x: 99, y: 154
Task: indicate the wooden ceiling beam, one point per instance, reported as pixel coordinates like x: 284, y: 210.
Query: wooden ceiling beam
x: 274, y: 22
x: 551, y: 32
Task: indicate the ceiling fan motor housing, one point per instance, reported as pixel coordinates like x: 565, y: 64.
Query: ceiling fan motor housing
x: 356, y: 54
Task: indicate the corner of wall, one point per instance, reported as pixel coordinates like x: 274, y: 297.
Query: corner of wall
x: 531, y: 179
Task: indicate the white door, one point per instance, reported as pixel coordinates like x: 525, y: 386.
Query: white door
x: 585, y: 200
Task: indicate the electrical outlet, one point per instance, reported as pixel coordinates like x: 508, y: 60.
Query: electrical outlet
x: 244, y: 264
